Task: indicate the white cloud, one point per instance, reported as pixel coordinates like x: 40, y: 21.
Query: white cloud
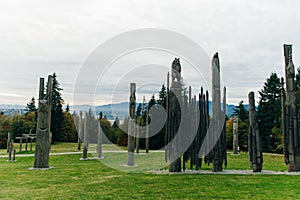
x: 38, y: 39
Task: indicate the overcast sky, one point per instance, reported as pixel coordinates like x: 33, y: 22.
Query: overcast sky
x: 37, y: 39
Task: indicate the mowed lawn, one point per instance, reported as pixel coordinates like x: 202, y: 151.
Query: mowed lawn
x: 75, y: 179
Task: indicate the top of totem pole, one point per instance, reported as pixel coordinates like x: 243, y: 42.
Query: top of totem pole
x: 132, y: 100
x: 251, y: 100
x: 176, y: 71
x: 216, y: 61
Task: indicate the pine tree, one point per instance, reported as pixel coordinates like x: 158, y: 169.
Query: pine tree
x: 30, y: 106
x: 162, y: 96
x: 240, y: 111
x: 57, y: 116
x: 269, y: 112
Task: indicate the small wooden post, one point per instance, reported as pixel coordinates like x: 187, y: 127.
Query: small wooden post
x: 99, y: 143
x: 8, y: 141
x: 85, y: 138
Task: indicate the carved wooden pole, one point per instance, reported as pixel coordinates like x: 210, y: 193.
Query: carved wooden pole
x: 223, y: 136
x: 8, y: 141
x: 10, y: 148
x: 85, y: 137
x: 137, y: 135
x: 131, y: 122
x: 235, y: 135
x: 292, y: 133
x: 284, y: 124
x: 43, y: 135
x: 99, y: 142
x: 79, y: 139
x: 254, y: 138
x: 147, y: 132
x: 175, y: 115
x: 216, y: 107
x: 167, y: 135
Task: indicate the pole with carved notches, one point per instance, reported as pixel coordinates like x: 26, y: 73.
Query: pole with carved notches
x: 254, y: 138
x: 291, y: 115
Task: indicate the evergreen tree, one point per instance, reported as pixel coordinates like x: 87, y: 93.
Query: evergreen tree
x: 138, y: 111
x: 269, y: 112
x: 152, y: 102
x: 162, y: 96
x: 30, y: 106
x: 57, y: 116
x: 298, y: 87
x: 240, y: 111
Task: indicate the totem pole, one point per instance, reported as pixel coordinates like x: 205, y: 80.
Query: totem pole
x: 99, y: 142
x: 43, y: 134
x: 290, y: 115
x: 254, y: 138
x: 219, y: 150
x: 174, y: 98
x: 85, y: 137
x: 131, y: 125
x: 235, y: 135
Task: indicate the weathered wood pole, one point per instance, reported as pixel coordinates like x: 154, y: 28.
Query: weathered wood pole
x: 216, y: 108
x: 8, y: 141
x: 43, y: 135
x: 85, y: 138
x: 99, y: 142
x: 235, y: 135
x: 291, y: 132
x: 131, y: 127
x: 80, y: 138
x: 10, y: 149
x: 167, y: 134
x: 147, y: 132
x: 21, y: 140
x: 254, y: 138
x: 137, y: 135
x: 223, y: 136
x: 175, y: 116
x: 14, y: 155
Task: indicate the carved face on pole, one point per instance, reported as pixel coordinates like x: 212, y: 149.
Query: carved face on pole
x: 176, y: 70
x: 132, y: 100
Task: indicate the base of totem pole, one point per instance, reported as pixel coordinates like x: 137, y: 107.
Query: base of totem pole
x: 41, y: 169
x: 294, y: 166
x: 88, y: 158
x: 125, y: 165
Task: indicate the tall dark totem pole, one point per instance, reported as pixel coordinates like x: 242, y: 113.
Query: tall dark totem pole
x: 218, y: 155
x: 174, y: 117
x: 290, y: 114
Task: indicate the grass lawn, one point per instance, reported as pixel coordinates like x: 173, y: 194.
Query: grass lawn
x: 75, y: 179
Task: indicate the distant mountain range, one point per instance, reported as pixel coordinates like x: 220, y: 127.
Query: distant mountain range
x: 110, y: 111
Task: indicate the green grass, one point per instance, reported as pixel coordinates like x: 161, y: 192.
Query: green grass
x: 75, y: 179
